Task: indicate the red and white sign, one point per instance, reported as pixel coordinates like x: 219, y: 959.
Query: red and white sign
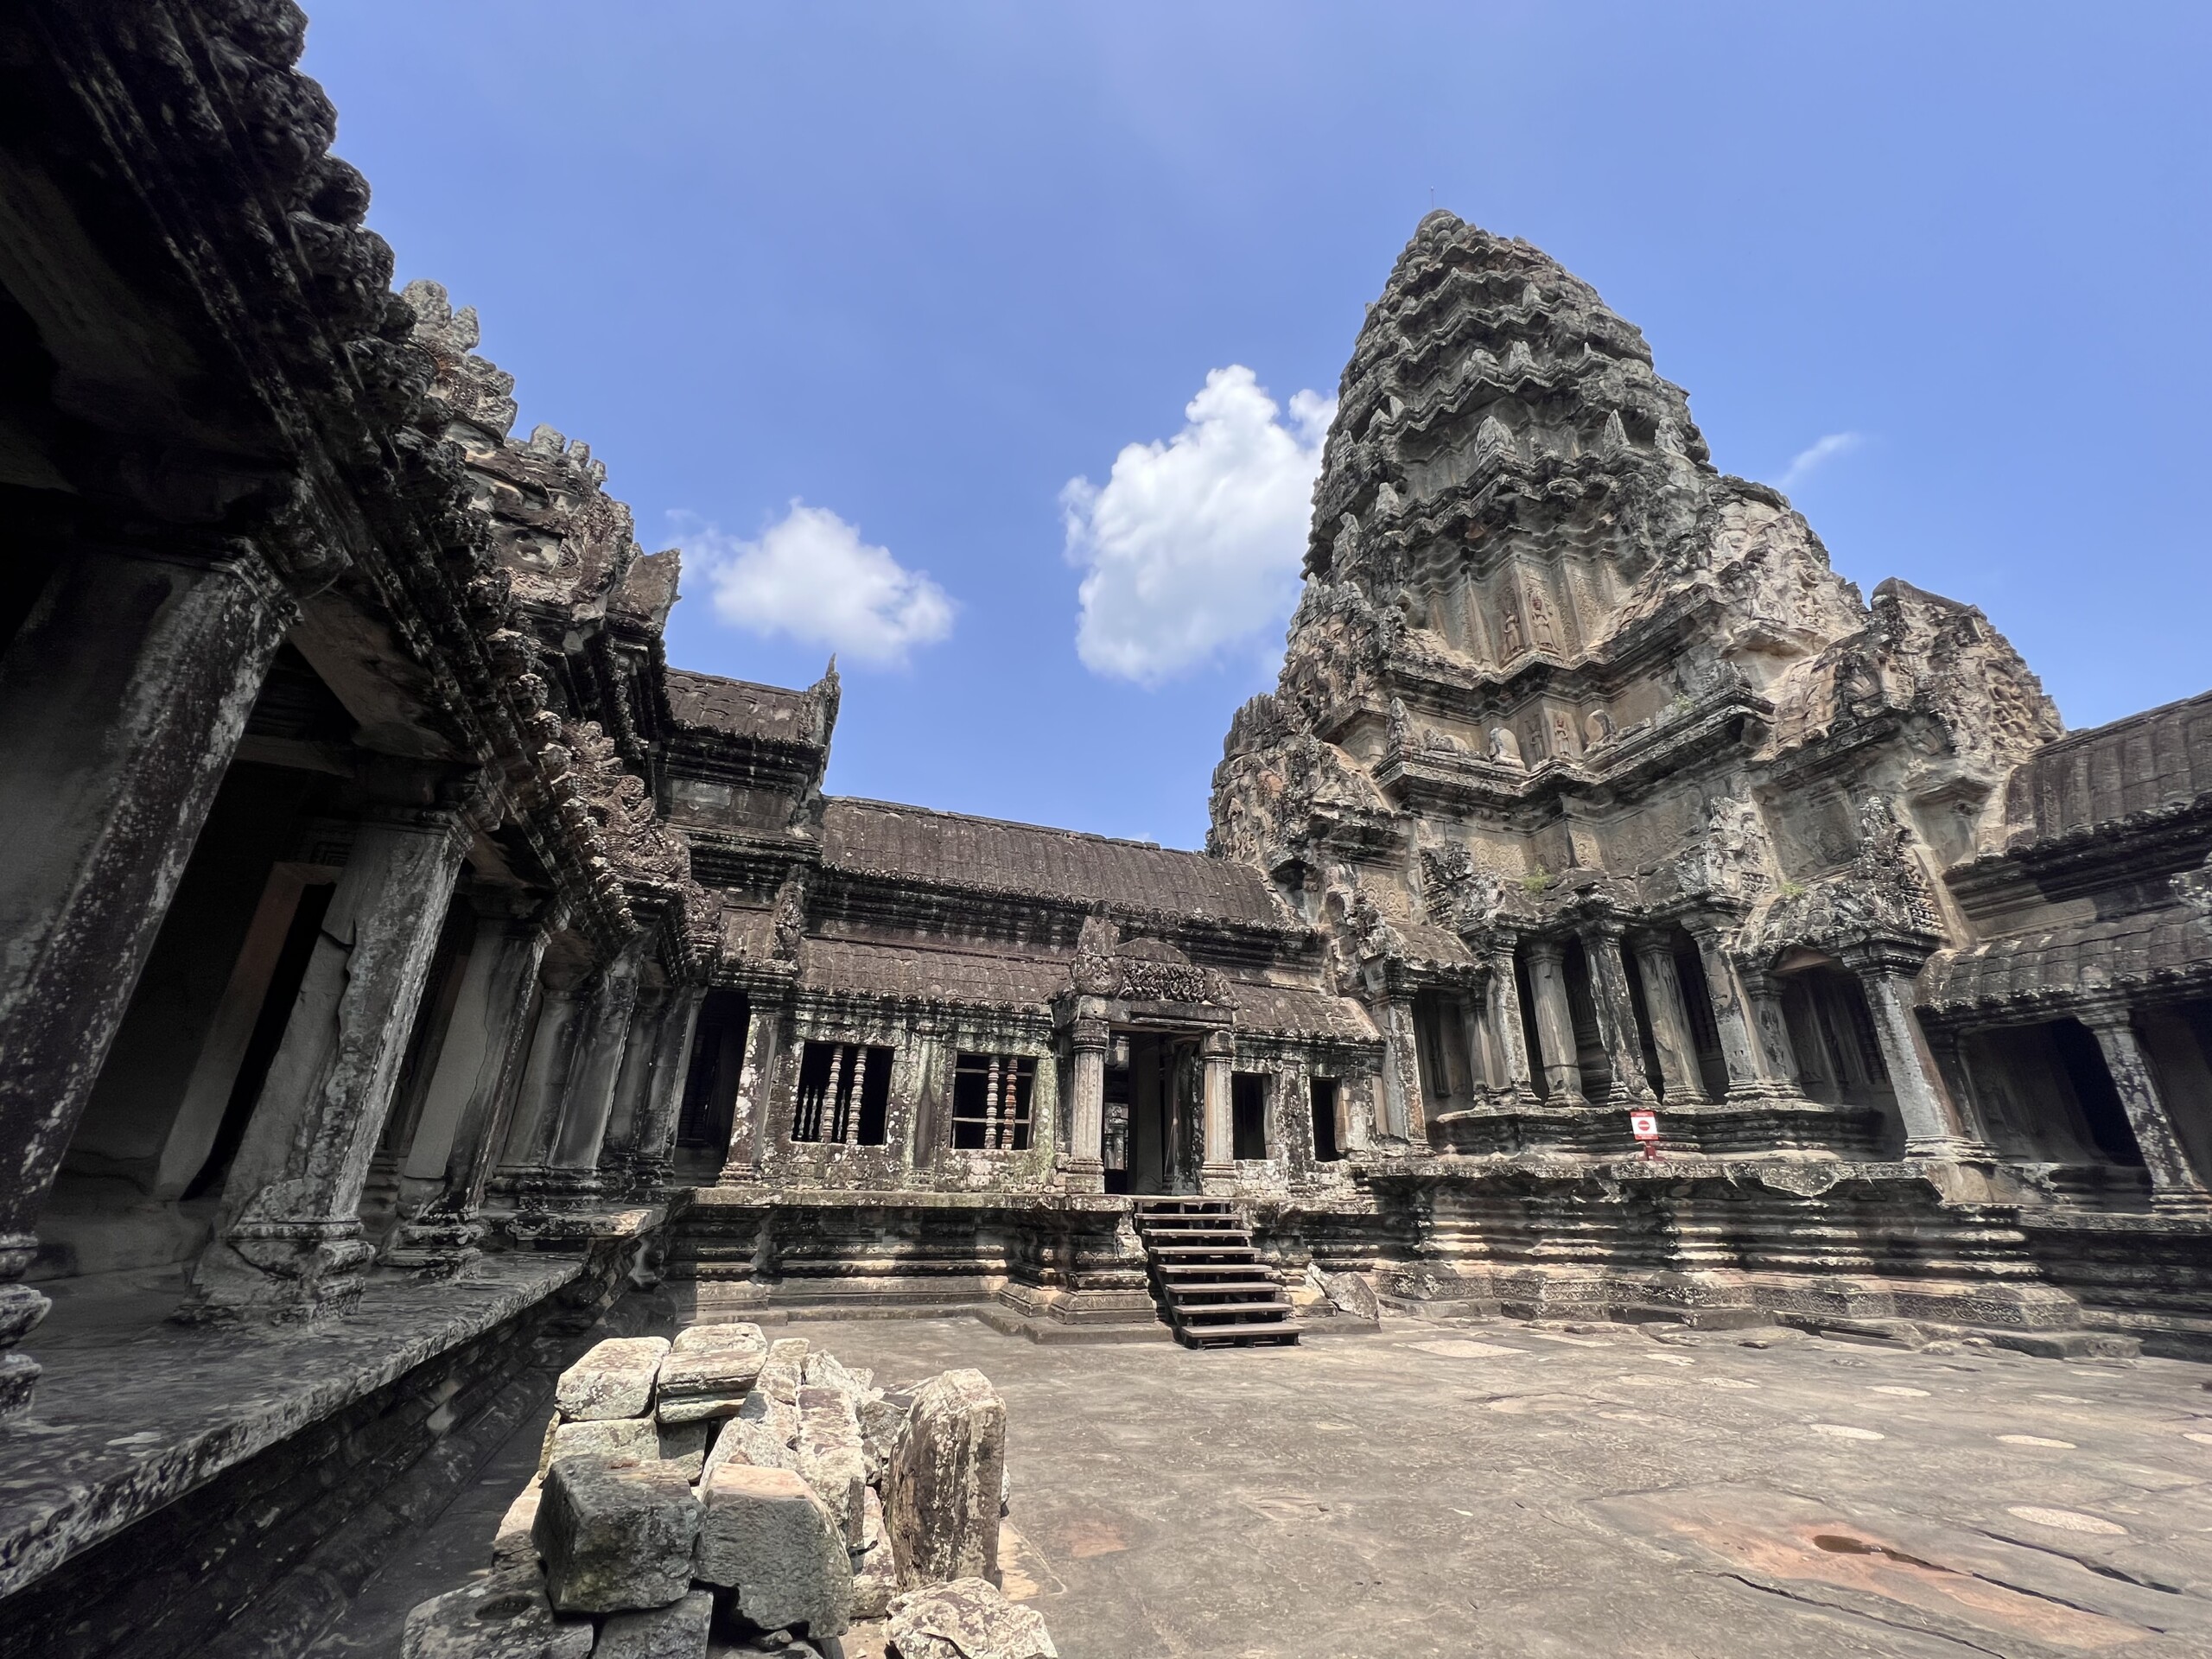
x: 1644, y: 1126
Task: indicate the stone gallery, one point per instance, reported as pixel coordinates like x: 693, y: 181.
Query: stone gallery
x: 1612, y: 914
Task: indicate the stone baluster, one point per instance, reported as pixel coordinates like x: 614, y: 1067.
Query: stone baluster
x: 816, y: 1128
x: 1601, y: 948
x: 287, y: 1240
x: 124, y: 694
x: 2175, y: 1184
x: 471, y: 1084
x: 1505, y: 1024
x: 1670, y: 1022
x: 849, y: 1123
x: 653, y: 1133
x: 1931, y: 1125
x: 991, y: 1105
x: 1555, y: 1022
x: 1086, y: 1163
x: 1750, y: 1076
x: 1218, y: 1171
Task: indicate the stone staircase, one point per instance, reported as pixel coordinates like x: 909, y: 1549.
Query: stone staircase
x: 1207, y: 1279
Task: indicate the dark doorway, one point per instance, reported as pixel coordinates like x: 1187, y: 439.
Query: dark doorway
x: 1247, y: 1113
x: 1114, y: 1131
x: 2093, y: 1089
x: 1321, y: 1092
x: 1160, y: 1122
x: 709, y: 1110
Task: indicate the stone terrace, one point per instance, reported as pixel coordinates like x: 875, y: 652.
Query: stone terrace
x: 1504, y: 1488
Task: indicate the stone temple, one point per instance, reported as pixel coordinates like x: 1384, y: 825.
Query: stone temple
x: 400, y: 959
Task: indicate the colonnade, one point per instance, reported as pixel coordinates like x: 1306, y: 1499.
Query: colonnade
x: 124, y: 698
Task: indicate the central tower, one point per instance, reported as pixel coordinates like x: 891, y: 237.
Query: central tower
x: 1607, y: 788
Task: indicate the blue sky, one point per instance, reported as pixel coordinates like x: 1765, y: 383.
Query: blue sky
x: 918, y: 267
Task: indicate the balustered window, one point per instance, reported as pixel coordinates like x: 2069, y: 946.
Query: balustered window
x: 844, y: 1089
x: 990, y: 1101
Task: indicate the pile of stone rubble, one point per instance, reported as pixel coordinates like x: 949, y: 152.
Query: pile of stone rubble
x: 725, y: 1495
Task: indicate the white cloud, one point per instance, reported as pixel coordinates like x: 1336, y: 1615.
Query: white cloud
x: 1816, y: 456
x: 810, y: 575
x: 1195, y: 543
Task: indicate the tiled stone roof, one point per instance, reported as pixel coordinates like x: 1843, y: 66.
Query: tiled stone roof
x: 742, y: 708
x: 2152, y: 949
x: 2156, y: 762
x: 916, y: 844
x: 974, y: 978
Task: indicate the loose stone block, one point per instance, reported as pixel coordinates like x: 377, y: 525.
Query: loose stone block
x: 967, y: 1619
x: 882, y: 1413
x: 1350, y: 1293
x: 709, y: 1372
x: 827, y: 1455
x: 826, y: 1370
x: 876, y: 1575
x: 675, y: 1631
x: 684, y: 1445
x: 941, y: 1492
x: 511, y: 1545
x: 784, y: 1372
x: 764, y: 1534
x: 761, y: 1435
x: 616, y: 1379
x: 504, y: 1615
x: 615, y: 1534
x: 620, y: 1437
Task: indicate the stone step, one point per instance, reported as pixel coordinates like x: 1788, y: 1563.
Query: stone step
x: 1230, y: 1296
x: 1207, y: 1276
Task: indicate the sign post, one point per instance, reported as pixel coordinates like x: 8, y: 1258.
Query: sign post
x: 1644, y: 1126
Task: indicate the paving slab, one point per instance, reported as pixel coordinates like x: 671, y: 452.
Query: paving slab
x: 1499, y: 1489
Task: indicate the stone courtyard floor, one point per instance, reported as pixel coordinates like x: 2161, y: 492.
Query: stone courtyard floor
x: 1500, y: 1489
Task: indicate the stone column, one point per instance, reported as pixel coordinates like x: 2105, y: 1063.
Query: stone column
x: 1512, y: 1043
x: 1931, y: 1127
x: 1748, y: 1078
x: 1768, y: 1029
x: 547, y: 1063
x: 1601, y: 948
x: 122, y: 696
x: 1401, y: 1097
x: 287, y: 1240
x: 1555, y: 1022
x: 633, y: 1082
x: 472, y: 1085
x: 2175, y: 1184
x: 1219, y: 1169
x: 1472, y: 1021
x: 602, y: 1037
x: 230, y: 1031
x: 652, y: 1132
x: 756, y: 1081
x: 1670, y: 1021
x: 1086, y: 1169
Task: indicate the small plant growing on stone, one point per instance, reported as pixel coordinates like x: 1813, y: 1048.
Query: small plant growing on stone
x: 1536, y: 880
x: 1793, y: 889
